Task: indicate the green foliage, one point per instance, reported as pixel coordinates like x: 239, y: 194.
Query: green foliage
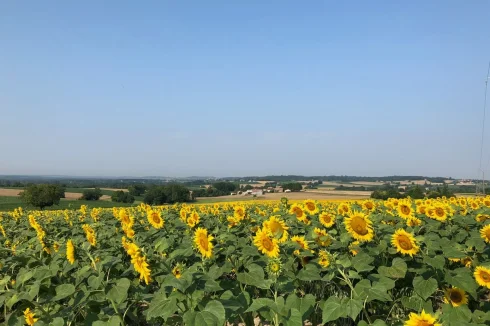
x: 293, y: 186
x: 169, y: 194
x: 122, y: 197
x: 91, y: 194
x: 42, y: 195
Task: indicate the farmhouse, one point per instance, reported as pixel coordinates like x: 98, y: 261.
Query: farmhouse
x: 257, y: 192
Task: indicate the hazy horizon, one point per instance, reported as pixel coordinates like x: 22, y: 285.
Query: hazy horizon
x: 220, y: 89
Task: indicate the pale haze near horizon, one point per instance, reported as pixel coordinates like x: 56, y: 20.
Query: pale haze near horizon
x: 233, y: 89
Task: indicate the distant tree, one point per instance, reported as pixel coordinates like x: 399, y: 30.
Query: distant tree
x: 225, y: 187
x: 415, y: 192
x: 42, y: 195
x: 386, y: 192
x: 293, y: 186
x: 91, y: 194
x: 169, y: 194
x: 137, y: 190
x: 122, y: 197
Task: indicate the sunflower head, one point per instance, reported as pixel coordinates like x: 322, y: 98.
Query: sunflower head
x: 485, y: 233
x: 324, y: 259
x: 482, y: 276
x: 274, y: 267
x: 359, y: 226
x: 422, y: 319
x: 266, y: 244
x: 404, y: 242
x: 203, y: 242
x: 456, y: 297
x: 177, y: 270
x: 310, y: 206
x: 327, y: 219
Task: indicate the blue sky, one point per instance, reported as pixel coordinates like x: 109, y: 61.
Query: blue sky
x: 225, y: 88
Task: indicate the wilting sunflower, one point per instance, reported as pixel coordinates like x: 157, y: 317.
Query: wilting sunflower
x: 456, y: 297
x: 327, y: 219
x: 423, y: 319
x: 359, y: 226
x: 155, y: 219
x: 323, y: 259
x: 203, y: 242
x: 29, y: 317
x: 266, y: 244
x: 485, y: 233
x: 274, y: 267
x: 404, y: 242
x: 70, y: 251
x: 405, y: 209
x: 322, y: 238
x: 277, y: 228
x: 482, y: 276
x: 310, y: 207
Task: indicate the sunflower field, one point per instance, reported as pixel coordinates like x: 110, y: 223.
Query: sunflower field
x: 394, y: 262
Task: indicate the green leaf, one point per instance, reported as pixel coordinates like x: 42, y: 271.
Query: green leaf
x: 333, y: 310
x: 398, y: 269
x: 353, y: 307
x: 386, y: 282
x: 160, y: 306
x: 254, y: 277
x: 204, y: 318
x: 455, y: 315
x: 438, y: 262
x: 424, y: 288
x: 304, y: 305
x: 216, y: 308
x: 114, y: 321
x: 361, y: 262
x: 463, y: 279
x: 24, y: 276
x: 309, y: 272
x: 294, y: 318
x: 119, y: 292
x: 58, y: 321
x: 261, y: 303
x: 413, y: 303
x: 63, y: 291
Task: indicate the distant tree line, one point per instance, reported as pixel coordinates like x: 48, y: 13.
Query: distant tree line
x: 42, y: 195
x: 415, y: 192
x: 341, y: 178
x: 169, y: 194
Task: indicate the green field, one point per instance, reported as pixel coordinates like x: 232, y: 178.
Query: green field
x: 81, y: 190
x: 10, y: 203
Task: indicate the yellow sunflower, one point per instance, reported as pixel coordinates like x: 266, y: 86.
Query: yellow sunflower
x: 485, y: 233
x: 70, y: 251
x: 359, y: 226
x: 29, y: 317
x: 327, y: 219
x: 482, y: 217
x: 405, y: 209
x: 310, y: 206
x: 177, y: 271
x: 424, y: 319
x: 455, y: 296
x: 299, y: 212
x: 266, y: 244
x: 155, y: 219
x: 421, y: 209
x: 300, y: 240
x: 239, y: 212
x: 322, y: 238
x: 482, y: 276
x: 368, y: 205
x: 277, y: 228
x: 323, y: 259
x: 203, y: 242
x: 413, y: 221
x: 183, y: 214
x: 440, y: 213
x: 404, y: 242
x: 141, y: 266
x: 353, y: 248
x: 193, y: 219
x: 343, y: 209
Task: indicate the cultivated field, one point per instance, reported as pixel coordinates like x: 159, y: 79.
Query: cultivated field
x: 394, y: 262
x: 68, y: 195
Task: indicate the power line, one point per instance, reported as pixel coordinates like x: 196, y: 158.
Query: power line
x: 483, y: 134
